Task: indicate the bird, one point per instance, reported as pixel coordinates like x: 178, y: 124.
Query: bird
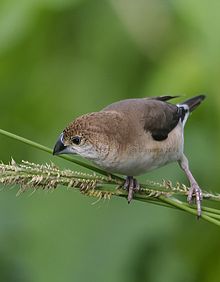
x: 132, y: 137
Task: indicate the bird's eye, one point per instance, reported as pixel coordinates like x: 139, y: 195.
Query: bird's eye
x: 76, y: 140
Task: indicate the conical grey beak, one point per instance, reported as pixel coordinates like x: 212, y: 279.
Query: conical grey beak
x: 59, y: 148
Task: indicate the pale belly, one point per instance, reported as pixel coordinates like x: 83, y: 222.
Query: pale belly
x: 144, y: 162
x: 148, y: 156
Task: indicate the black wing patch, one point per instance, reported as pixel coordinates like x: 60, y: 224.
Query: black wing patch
x: 162, y: 118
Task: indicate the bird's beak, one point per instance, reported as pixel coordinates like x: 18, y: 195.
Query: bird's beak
x: 60, y: 148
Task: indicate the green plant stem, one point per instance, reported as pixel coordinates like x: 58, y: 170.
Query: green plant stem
x: 176, y: 204
x: 211, y: 210
x: 184, y: 207
x: 208, y: 214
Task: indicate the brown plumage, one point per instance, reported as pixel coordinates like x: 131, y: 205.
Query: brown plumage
x: 132, y: 137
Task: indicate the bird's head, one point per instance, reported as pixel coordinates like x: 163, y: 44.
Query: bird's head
x: 89, y: 136
x: 77, y: 138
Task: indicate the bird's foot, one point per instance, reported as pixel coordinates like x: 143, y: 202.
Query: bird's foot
x: 196, y: 193
x: 131, y: 185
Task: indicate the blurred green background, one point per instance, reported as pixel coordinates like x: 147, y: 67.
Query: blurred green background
x: 63, y: 58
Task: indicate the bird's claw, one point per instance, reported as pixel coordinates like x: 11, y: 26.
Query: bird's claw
x: 131, y: 185
x: 196, y: 193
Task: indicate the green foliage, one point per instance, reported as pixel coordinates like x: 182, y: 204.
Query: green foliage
x: 60, y: 59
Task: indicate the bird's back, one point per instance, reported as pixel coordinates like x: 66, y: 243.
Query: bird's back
x: 153, y: 115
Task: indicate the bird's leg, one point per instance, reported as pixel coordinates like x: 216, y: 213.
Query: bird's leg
x: 131, y: 185
x: 194, y: 190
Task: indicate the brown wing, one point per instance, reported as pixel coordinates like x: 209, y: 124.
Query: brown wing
x: 155, y: 115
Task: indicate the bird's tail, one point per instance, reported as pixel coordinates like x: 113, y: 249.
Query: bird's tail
x: 194, y: 102
x: 186, y: 107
